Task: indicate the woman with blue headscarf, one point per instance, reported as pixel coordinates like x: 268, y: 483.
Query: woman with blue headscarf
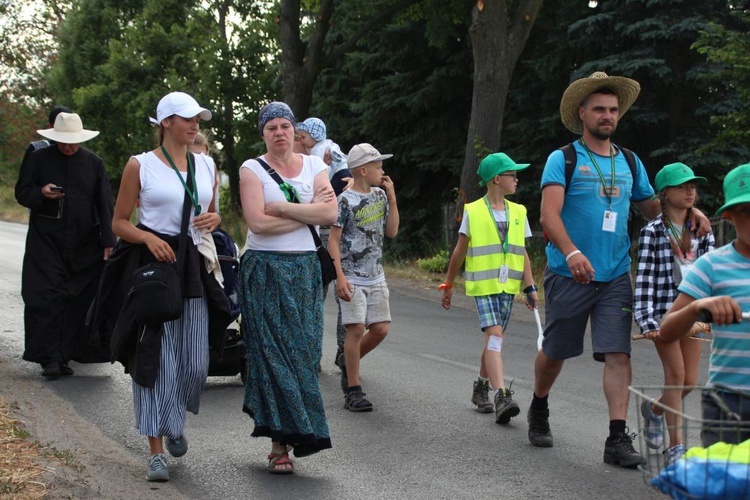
x: 282, y: 309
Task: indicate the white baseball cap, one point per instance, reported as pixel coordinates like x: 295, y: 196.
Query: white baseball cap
x: 364, y: 153
x: 180, y: 104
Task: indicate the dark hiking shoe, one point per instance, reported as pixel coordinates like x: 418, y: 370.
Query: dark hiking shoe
x: 618, y: 450
x: 65, y: 370
x: 177, y: 447
x: 356, y: 401
x: 539, y: 433
x: 480, y: 396
x: 339, y: 360
x: 505, y: 407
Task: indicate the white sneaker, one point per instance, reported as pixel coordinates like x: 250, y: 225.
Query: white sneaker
x: 653, y: 426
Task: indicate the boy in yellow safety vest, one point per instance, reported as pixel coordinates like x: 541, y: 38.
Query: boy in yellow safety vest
x: 491, y: 243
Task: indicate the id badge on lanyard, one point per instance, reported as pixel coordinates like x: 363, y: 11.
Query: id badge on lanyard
x: 609, y: 222
x: 502, y: 276
x: 195, y: 234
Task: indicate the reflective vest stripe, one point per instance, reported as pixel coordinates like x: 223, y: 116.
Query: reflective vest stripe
x: 492, y: 274
x: 494, y: 249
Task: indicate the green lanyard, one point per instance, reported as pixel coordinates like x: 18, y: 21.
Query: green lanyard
x: 193, y: 193
x: 598, y: 171
x: 503, y: 241
x: 677, y: 237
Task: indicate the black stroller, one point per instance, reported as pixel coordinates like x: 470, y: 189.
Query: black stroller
x: 231, y: 360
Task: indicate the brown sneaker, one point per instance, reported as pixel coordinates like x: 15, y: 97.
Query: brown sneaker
x: 480, y: 396
x: 505, y: 407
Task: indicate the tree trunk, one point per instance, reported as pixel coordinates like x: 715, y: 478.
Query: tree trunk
x: 498, y: 36
x: 300, y: 65
x: 226, y: 126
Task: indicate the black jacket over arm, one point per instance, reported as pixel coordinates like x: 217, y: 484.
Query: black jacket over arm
x: 137, y: 346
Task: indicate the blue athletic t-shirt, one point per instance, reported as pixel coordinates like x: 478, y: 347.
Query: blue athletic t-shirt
x: 585, y: 205
x: 724, y: 272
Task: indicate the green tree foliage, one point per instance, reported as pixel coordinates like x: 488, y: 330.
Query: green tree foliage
x: 117, y: 59
x: 498, y: 32
x: 306, y: 48
x: 727, y: 48
x: 400, y: 74
x: 115, y: 64
x: 404, y: 89
x: 27, y: 47
x: 18, y: 123
x: 648, y: 40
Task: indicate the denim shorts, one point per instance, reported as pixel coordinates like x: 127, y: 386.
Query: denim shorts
x: 569, y: 305
x: 368, y: 305
x: 494, y: 310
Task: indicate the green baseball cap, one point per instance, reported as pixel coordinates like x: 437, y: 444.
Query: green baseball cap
x: 736, y: 187
x: 675, y: 174
x: 495, y: 164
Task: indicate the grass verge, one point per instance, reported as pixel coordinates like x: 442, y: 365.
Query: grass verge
x: 22, y: 459
x: 19, y: 465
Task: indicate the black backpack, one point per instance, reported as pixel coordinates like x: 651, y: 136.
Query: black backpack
x: 571, y: 160
x: 229, y: 261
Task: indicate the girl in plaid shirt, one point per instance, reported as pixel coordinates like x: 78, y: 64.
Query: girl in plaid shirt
x: 667, y: 248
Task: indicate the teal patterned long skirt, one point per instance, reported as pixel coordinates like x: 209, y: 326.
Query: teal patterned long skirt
x: 282, y: 325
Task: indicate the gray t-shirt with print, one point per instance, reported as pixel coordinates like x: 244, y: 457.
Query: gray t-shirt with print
x: 362, y: 219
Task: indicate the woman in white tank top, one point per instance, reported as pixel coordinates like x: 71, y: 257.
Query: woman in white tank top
x: 282, y: 292
x: 157, y: 180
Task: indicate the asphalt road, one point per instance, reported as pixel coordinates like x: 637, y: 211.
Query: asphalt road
x: 422, y: 441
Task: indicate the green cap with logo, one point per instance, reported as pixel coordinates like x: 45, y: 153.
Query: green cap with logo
x: 736, y: 187
x: 676, y: 174
x: 496, y: 164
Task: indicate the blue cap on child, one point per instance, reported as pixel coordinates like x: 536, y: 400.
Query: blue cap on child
x: 315, y: 127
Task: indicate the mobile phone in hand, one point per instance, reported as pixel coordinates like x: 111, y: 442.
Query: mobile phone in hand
x: 57, y: 189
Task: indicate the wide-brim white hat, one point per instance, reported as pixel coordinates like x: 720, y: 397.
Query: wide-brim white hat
x: 627, y: 91
x: 68, y: 129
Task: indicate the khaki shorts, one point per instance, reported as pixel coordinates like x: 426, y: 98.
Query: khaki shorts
x: 369, y: 304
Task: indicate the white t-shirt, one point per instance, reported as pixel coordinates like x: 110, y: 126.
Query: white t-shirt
x: 162, y: 194
x: 500, y: 222
x: 300, y: 239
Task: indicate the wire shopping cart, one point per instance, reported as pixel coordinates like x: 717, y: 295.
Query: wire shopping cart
x: 719, y: 471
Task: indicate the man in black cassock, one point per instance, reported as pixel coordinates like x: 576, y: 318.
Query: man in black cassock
x: 67, y: 190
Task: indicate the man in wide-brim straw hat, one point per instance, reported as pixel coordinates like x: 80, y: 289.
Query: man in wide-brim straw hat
x: 584, y: 213
x: 66, y: 189
x: 625, y: 89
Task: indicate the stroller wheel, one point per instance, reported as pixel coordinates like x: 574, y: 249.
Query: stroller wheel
x: 243, y: 371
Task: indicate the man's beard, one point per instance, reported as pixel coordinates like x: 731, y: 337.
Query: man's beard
x: 602, y: 136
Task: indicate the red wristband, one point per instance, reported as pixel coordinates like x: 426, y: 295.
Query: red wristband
x: 443, y: 286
